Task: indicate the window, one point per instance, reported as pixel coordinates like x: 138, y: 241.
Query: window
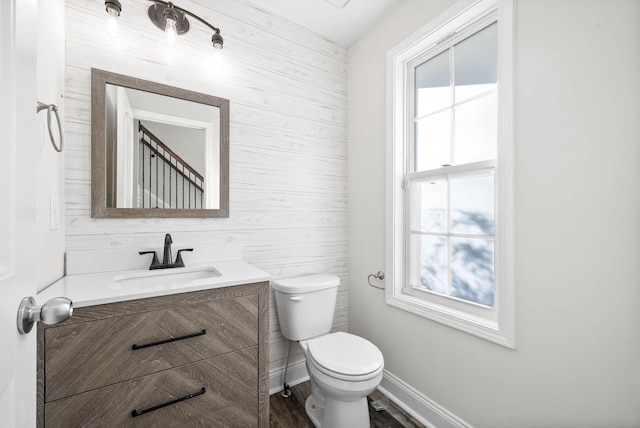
x: 450, y: 172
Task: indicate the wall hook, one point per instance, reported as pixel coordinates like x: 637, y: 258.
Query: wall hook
x: 379, y: 275
x: 52, y: 108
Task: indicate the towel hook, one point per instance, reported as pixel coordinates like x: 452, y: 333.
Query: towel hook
x: 379, y: 275
x: 52, y: 108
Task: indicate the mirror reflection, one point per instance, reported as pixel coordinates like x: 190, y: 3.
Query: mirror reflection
x: 166, y: 150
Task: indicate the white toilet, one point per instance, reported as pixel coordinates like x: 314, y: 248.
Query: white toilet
x: 343, y: 368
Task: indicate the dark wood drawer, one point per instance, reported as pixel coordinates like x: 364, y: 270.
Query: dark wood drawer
x: 229, y: 400
x: 90, y: 355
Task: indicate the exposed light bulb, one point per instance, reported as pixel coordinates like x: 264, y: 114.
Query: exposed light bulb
x: 171, y: 31
x: 215, y: 65
x: 171, y: 20
x: 217, y: 59
x: 112, y: 26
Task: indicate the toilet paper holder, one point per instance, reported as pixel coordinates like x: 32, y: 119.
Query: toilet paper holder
x: 379, y: 275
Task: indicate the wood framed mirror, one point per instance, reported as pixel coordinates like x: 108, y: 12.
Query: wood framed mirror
x: 157, y: 150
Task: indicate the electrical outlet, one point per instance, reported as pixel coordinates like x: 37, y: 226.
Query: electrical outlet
x: 55, y: 213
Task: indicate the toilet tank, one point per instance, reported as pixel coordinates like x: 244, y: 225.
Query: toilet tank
x: 306, y: 305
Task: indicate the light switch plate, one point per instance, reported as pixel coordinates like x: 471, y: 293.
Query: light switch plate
x: 55, y: 213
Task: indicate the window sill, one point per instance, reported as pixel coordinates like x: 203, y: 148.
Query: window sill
x: 490, y: 328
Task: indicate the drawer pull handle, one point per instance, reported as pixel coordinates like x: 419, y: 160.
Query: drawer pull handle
x: 135, y: 413
x: 188, y: 336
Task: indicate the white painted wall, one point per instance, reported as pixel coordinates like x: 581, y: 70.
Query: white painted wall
x: 49, y: 164
x: 577, y: 356
x: 288, y: 167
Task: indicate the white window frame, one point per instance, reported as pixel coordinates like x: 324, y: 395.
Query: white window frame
x: 497, y: 324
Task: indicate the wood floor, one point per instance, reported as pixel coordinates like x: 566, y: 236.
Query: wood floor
x: 289, y: 412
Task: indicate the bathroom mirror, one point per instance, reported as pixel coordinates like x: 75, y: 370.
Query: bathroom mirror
x: 157, y: 150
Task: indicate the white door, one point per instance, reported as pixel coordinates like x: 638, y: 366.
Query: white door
x: 17, y: 209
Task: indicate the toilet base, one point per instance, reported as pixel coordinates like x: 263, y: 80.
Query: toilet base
x: 338, y: 414
x: 314, y: 411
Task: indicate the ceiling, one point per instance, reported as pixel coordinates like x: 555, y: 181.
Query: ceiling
x: 341, y: 21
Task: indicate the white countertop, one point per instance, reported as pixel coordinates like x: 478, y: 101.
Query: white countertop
x: 89, y: 289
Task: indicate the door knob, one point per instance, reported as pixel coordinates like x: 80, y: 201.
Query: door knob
x: 54, y: 311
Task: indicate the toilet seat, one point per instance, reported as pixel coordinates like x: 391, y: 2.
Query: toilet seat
x: 345, y: 356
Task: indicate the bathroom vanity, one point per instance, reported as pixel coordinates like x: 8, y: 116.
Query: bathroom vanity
x: 192, y: 352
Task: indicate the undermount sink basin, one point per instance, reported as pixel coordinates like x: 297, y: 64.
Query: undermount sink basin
x: 164, y: 278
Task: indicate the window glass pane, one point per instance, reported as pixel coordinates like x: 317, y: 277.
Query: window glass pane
x: 476, y: 63
x: 472, y: 206
x: 476, y: 130
x: 433, y: 264
x: 472, y: 270
x: 433, y: 89
x: 433, y: 209
x: 432, y: 141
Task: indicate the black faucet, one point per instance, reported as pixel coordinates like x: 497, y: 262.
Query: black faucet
x: 166, y: 258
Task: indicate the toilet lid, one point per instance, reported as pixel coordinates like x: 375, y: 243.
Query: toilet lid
x: 346, y: 354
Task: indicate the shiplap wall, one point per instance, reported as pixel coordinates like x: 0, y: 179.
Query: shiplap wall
x: 288, y: 151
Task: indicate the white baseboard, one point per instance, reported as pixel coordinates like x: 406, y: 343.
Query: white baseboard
x: 417, y: 405
x: 405, y: 396
x: 297, y: 373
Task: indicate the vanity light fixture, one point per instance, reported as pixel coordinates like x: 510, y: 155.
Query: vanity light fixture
x: 169, y: 18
